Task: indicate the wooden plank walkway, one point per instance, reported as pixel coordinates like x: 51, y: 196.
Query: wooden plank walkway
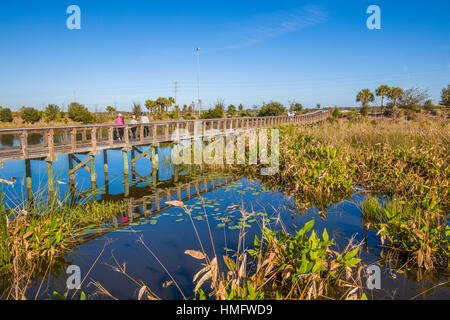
x: 56, y: 140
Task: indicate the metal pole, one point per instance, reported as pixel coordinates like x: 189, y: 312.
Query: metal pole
x: 198, y: 80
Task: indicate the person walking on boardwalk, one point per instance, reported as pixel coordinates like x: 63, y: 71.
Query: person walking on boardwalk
x: 133, y: 122
x: 144, y: 120
x: 119, y: 120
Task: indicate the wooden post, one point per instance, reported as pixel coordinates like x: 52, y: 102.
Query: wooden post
x: 197, y: 189
x: 179, y: 193
x: 45, y: 137
x: 111, y: 136
x: 155, y: 165
x: 141, y: 134
x: 155, y: 132
x: 51, y: 183
x: 71, y: 176
x: 29, y: 181
x: 126, y: 181
x: 94, y: 139
x: 155, y: 177
x: 126, y: 186
x: 51, y: 144
x: 130, y: 209
x: 73, y: 139
x: 133, y: 166
x: 166, y: 131
x: 175, y: 173
x: 188, y: 190
x: 126, y: 136
x: 157, y: 206
x: 178, y: 133
x: 93, y: 176
x: 24, y: 143
x: 66, y: 140
x: 154, y: 156
x: 125, y: 161
x: 105, y: 169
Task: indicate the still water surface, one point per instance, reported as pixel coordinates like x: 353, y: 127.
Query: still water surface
x: 170, y: 232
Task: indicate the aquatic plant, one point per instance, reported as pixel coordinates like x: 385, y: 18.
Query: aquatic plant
x: 280, y: 265
x: 47, y: 229
x: 409, y: 229
x: 5, y: 255
x: 406, y: 161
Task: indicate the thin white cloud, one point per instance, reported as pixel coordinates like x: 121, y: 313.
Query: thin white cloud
x: 262, y: 27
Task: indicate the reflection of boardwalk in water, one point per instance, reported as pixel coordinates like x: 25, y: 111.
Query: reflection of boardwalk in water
x: 88, y: 140
x: 155, y: 202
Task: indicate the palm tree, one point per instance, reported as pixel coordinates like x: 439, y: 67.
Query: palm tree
x: 170, y: 102
x: 151, y: 105
x: 383, y: 91
x: 365, y: 96
x: 395, y: 94
x: 110, y: 110
x: 164, y: 103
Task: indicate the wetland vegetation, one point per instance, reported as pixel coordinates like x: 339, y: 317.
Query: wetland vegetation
x: 399, y: 169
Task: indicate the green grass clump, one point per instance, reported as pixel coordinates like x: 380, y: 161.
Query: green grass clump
x: 44, y: 231
x: 409, y: 229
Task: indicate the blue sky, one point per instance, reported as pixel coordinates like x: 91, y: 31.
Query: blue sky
x: 251, y: 51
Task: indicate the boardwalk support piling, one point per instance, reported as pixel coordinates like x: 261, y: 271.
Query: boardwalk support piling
x: 29, y: 181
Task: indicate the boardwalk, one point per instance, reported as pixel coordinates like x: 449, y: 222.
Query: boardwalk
x: 48, y: 143
x: 92, y: 138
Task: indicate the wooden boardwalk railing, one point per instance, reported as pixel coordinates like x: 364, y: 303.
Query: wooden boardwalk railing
x: 48, y: 142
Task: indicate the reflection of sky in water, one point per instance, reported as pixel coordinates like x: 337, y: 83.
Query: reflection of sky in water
x: 14, y: 195
x: 169, y: 233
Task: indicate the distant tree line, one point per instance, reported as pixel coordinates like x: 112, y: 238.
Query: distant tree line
x: 52, y: 113
x: 413, y: 99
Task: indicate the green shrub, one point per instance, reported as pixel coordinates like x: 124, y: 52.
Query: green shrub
x: 217, y: 112
x: 51, y: 112
x: 79, y: 113
x: 6, y: 115
x: 30, y: 115
x: 272, y: 109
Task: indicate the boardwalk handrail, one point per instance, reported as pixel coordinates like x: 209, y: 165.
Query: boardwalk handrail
x: 91, y: 138
x: 107, y: 125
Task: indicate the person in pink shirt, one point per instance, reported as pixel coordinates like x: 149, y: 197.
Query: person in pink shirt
x: 119, y: 120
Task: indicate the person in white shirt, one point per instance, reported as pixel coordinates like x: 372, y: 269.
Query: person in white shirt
x: 144, y: 120
x: 133, y: 128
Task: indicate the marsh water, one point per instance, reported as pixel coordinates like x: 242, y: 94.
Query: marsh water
x: 168, y: 233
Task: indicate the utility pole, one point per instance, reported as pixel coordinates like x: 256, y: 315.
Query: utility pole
x: 199, y: 102
x: 74, y: 96
x: 176, y: 87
